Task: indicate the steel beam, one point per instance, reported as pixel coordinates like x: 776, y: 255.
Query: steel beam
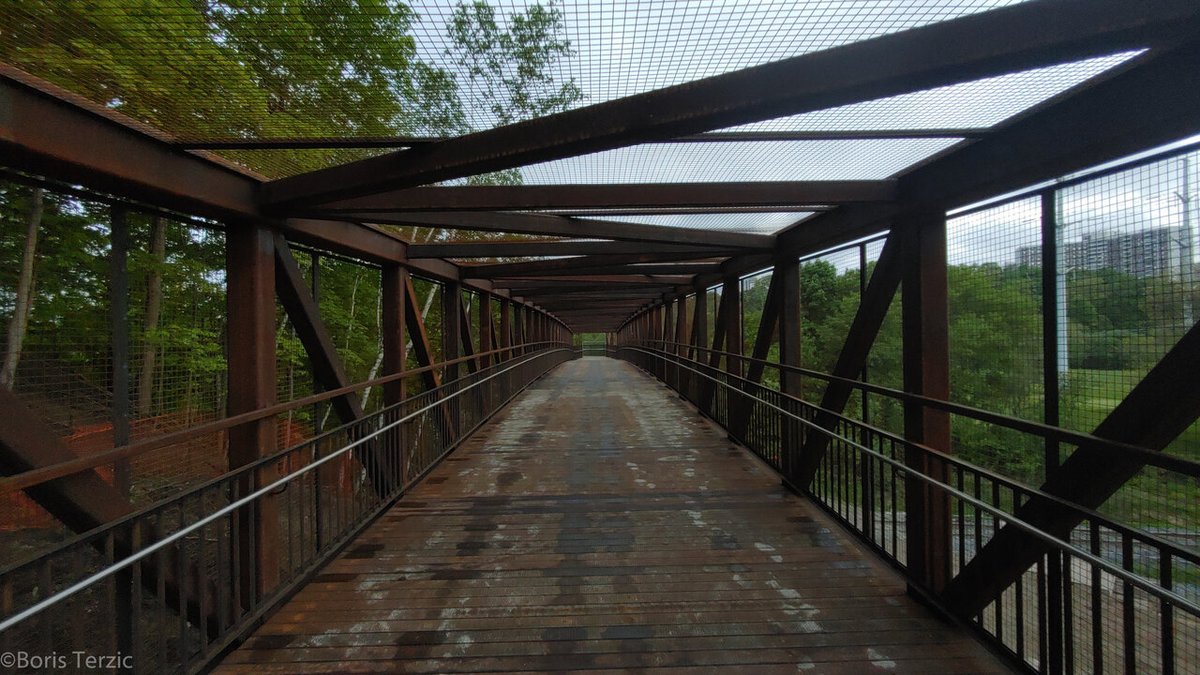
x: 1130, y: 111
x: 45, y: 130
x: 590, y: 264
x: 525, y: 249
x: 558, y: 226
x: 549, y: 281
x: 632, y: 195
x: 395, y: 352
x: 790, y: 332
x: 250, y: 299
x: 310, y: 328
x: 926, y: 365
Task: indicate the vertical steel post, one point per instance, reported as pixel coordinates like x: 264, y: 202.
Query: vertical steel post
x: 250, y: 302
x: 789, y: 355
x: 451, y: 343
x: 1053, y: 316
x: 394, y: 284
x: 315, y: 259
x: 506, y: 338
x: 1051, y: 313
x: 485, y: 329
x: 118, y: 297
x: 926, y: 365
x: 735, y: 411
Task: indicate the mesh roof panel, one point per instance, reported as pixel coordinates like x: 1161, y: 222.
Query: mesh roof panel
x: 740, y: 161
x: 174, y: 64
x: 979, y: 104
x: 626, y: 47
x: 758, y: 223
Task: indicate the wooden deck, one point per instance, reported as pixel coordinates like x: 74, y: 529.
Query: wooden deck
x: 600, y: 523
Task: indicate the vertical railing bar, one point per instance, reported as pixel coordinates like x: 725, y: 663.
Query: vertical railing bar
x: 1128, y: 618
x: 181, y: 585
x: 1043, y: 665
x: 160, y: 623
x: 1166, y: 613
x: 1068, y: 615
x: 1019, y: 615
x: 1097, y: 604
x: 46, y: 583
x: 136, y: 652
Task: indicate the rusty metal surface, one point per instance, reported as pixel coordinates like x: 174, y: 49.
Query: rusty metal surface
x: 600, y: 523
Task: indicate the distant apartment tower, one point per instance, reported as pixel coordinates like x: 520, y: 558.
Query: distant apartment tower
x: 1144, y: 253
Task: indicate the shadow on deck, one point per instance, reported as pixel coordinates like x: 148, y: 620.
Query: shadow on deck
x: 600, y: 523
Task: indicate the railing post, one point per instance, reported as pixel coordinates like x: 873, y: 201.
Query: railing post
x: 518, y: 329
x: 250, y: 299
x: 485, y: 329
x: 681, y: 336
x: 118, y: 295
x: 505, y: 329
x: 451, y: 343
x: 926, y: 367
x: 790, y: 327
x: 395, y: 358
x: 699, y: 341
x: 731, y: 297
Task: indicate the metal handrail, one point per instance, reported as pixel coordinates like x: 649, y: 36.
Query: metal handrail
x: 235, y: 505
x: 1047, y: 431
x: 34, y: 477
x: 997, y: 513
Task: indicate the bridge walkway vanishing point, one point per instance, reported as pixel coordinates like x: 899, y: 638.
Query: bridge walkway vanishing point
x: 600, y: 523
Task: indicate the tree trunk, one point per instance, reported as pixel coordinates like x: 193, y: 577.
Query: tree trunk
x: 158, y: 257
x: 24, y: 304
x: 366, y: 396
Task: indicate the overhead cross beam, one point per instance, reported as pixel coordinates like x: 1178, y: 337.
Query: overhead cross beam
x: 1001, y: 41
x: 593, y: 264
x: 322, y: 142
x: 753, y: 194
x: 524, y: 249
x: 549, y: 281
x: 562, y: 226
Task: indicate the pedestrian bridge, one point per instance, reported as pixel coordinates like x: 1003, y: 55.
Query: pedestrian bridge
x: 805, y: 336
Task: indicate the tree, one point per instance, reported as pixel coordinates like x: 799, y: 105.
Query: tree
x: 23, y: 302
x: 511, y: 68
x: 244, y: 69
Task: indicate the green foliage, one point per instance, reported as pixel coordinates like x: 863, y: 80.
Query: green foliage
x: 288, y: 68
x: 512, y: 66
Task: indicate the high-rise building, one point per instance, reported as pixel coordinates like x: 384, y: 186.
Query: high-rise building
x: 1141, y: 253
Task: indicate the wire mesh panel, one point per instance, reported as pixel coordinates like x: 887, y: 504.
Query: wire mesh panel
x: 59, y: 341
x: 177, y: 356
x: 754, y: 299
x: 1128, y: 290
x: 994, y: 281
x: 1128, y: 273
x: 884, y: 364
x: 830, y: 286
